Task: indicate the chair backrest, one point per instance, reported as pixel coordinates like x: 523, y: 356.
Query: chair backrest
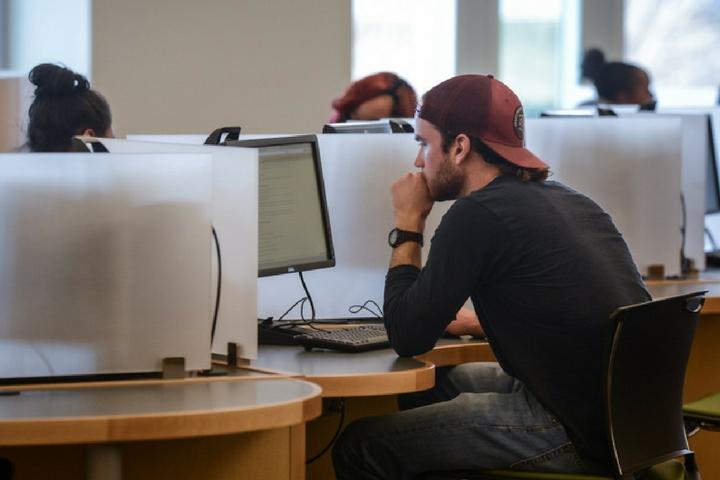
x: 646, y: 372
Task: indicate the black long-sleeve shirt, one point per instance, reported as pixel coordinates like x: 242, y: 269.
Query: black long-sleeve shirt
x: 544, y: 267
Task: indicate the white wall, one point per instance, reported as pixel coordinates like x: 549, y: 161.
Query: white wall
x: 182, y: 66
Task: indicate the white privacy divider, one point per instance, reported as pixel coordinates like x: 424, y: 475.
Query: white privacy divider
x: 195, y: 139
x: 190, y: 139
x: 234, y: 216
x: 696, y: 155
x: 712, y: 220
x: 358, y: 170
x: 632, y: 167
x: 104, y: 263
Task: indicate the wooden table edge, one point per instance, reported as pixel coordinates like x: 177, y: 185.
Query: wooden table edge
x: 162, y: 426
x: 376, y: 383
x: 138, y: 382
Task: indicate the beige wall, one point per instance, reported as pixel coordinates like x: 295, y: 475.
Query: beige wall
x: 184, y: 66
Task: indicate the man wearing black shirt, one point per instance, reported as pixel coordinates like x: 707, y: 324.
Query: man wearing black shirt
x: 544, y: 267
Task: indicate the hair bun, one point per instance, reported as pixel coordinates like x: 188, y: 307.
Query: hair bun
x: 54, y: 81
x: 592, y: 64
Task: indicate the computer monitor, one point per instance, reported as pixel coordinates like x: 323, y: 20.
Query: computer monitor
x: 293, y: 222
x: 374, y: 126
x: 712, y: 186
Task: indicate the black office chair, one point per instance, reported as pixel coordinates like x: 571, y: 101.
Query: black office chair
x: 643, y: 390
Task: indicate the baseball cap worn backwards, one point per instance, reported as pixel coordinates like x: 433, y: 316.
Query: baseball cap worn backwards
x: 485, y: 108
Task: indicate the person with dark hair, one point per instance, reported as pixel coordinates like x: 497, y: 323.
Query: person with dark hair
x: 377, y: 96
x: 64, y: 106
x: 544, y: 267
x: 616, y: 82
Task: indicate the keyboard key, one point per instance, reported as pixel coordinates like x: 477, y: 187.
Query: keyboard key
x: 349, y: 339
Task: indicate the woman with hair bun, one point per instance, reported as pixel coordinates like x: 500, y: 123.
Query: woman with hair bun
x: 381, y: 95
x: 64, y: 106
x: 616, y: 82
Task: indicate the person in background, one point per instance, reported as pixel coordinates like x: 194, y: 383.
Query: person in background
x: 616, y: 82
x: 377, y: 96
x: 64, y: 106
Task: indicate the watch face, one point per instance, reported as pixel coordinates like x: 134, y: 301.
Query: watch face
x: 393, y: 236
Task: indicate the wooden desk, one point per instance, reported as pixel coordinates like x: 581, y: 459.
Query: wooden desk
x: 455, y: 352
x: 238, y: 428
x: 706, y: 281
x: 379, y: 372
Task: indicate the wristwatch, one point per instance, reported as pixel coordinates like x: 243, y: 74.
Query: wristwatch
x: 397, y: 236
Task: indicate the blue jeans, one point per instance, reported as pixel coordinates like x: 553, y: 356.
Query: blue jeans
x: 488, y: 420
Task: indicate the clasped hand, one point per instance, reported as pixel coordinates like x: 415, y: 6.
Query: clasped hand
x: 411, y: 201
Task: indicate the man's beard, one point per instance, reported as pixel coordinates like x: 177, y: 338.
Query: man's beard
x: 448, y: 182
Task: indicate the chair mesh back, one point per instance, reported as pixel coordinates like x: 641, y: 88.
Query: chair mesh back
x: 646, y: 373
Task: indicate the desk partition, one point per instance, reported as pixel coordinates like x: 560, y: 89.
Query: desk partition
x: 104, y: 263
x: 712, y: 221
x: 696, y: 155
x: 234, y: 216
x: 632, y: 167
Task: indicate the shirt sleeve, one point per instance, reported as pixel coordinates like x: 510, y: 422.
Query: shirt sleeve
x: 419, y: 304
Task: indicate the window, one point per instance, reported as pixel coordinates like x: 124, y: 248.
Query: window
x: 539, y: 51
x: 676, y: 41
x: 413, y: 38
x: 36, y: 31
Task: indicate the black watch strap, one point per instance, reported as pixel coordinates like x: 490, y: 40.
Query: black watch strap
x: 397, y: 237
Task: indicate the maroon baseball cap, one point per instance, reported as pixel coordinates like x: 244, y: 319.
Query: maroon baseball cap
x: 481, y: 107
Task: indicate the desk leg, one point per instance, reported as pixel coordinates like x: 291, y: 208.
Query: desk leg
x: 104, y: 462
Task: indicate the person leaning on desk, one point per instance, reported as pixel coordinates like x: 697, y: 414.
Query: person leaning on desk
x: 544, y: 266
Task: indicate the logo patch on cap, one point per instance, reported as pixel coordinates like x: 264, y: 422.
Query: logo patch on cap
x: 519, y: 123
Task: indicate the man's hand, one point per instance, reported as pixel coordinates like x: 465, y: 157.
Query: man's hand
x: 411, y: 202
x: 465, y: 323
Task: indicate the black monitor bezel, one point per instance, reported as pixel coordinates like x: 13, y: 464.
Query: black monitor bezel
x: 713, y: 169
x: 313, y: 141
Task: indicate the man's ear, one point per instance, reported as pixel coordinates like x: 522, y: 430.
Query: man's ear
x: 88, y: 132
x: 462, y: 148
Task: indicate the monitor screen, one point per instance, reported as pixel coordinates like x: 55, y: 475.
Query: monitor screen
x: 294, y: 227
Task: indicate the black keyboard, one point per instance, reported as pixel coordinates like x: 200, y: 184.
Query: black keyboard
x: 348, y: 339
